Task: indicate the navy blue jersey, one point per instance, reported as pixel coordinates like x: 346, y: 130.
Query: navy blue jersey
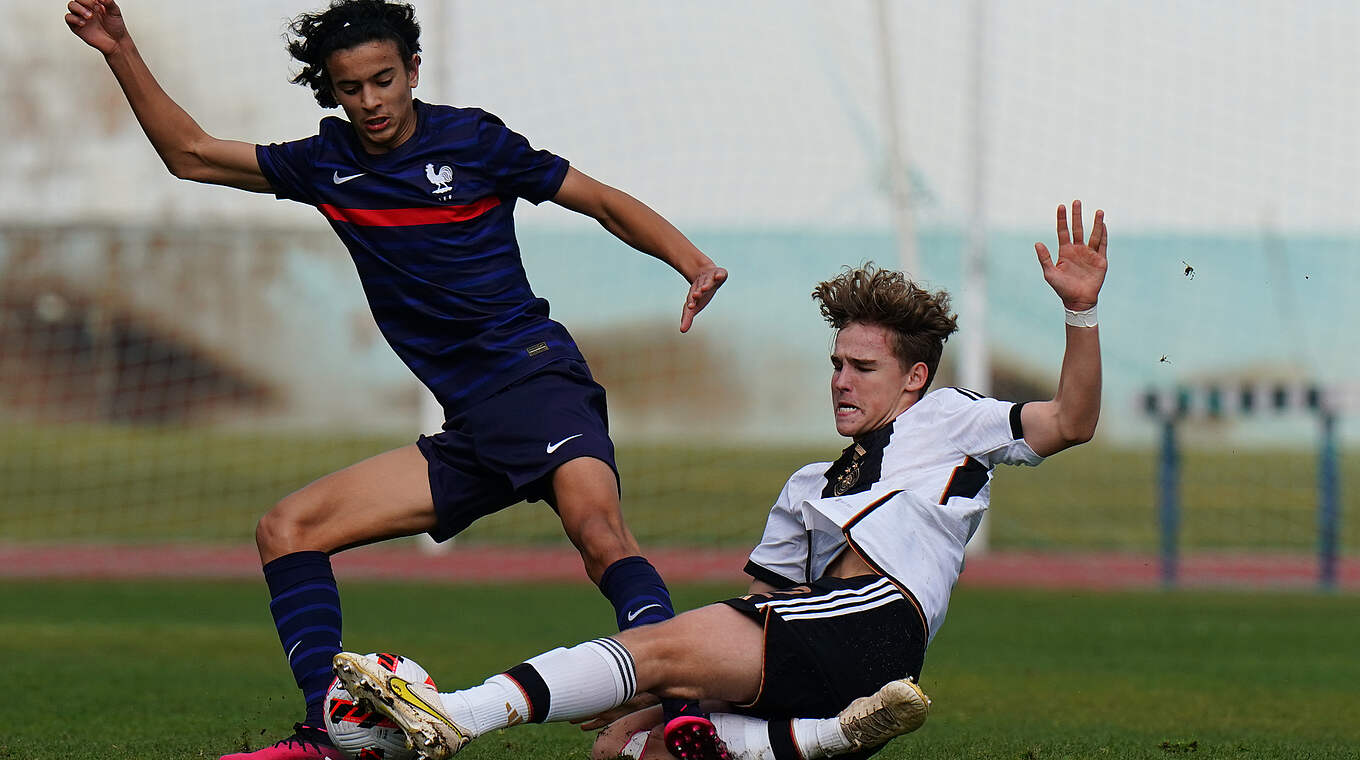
x: 430, y: 228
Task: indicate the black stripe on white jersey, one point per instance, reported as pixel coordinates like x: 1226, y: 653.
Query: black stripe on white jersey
x: 970, y: 395
x: 1017, y: 429
x: 862, y: 470
x: 967, y: 480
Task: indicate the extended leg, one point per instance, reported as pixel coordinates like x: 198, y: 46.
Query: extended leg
x: 711, y: 652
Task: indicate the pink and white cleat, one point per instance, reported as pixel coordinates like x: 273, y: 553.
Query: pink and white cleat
x: 692, y: 737
x: 306, y: 743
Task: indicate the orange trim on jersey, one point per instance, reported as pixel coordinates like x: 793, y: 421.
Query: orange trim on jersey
x: 409, y: 217
x: 906, y: 592
x: 850, y: 542
x: 867, y: 510
x: 945, y: 495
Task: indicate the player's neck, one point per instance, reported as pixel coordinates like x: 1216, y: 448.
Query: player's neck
x: 405, y: 130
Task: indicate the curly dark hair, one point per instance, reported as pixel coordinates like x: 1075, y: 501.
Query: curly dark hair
x: 919, y: 321
x: 346, y: 24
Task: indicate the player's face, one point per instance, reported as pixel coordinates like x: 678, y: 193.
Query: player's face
x: 869, y: 387
x: 373, y: 84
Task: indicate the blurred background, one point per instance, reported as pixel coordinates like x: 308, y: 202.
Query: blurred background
x: 175, y: 358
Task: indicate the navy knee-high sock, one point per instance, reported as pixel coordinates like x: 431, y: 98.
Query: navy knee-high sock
x: 640, y: 597
x: 637, y: 592
x: 306, y: 608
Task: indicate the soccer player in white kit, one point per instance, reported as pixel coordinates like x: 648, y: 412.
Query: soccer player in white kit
x: 853, y: 574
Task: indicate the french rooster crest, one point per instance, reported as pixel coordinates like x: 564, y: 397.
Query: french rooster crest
x: 442, y: 180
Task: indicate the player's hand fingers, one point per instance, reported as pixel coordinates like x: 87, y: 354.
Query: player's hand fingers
x: 1078, y: 233
x: 1104, y: 238
x: 1045, y: 260
x: 1098, y: 231
x: 1064, y: 236
x: 80, y: 9
x: 700, y: 293
x: 592, y: 724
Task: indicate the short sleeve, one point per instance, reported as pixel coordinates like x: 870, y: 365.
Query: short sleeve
x: 989, y: 430
x: 513, y: 165
x: 780, y: 559
x: 288, y: 166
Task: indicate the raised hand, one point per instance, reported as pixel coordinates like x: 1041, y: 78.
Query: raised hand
x: 98, y: 22
x: 701, y: 291
x: 1080, y: 269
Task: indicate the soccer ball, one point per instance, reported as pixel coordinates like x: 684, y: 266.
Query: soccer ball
x: 363, y: 734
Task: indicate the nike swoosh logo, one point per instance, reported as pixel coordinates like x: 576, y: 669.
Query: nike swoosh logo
x: 337, y: 179
x: 555, y: 446
x: 634, y: 614
x: 402, y: 689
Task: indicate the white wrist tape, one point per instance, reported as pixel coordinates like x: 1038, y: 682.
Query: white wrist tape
x: 1085, y: 318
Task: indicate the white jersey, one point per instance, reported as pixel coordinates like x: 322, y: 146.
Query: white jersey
x: 906, y: 498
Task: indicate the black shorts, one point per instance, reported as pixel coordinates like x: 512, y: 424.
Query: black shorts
x: 831, y: 642
x: 504, y: 449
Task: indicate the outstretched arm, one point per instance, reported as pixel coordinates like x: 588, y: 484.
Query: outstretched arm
x: 188, y: 151
x: 1070, y: 418
x: 633, y: 222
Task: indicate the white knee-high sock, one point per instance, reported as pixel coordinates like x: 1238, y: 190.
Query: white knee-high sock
x: 496, y: 703
x: 749, y: 738
x: 558, y: 685
x: 820, y: 737
x: 746, y: 738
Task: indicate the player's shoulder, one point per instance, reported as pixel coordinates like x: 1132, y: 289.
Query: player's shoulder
x: 443, y: 115
x: 953, y: 398
x: 333, y: 128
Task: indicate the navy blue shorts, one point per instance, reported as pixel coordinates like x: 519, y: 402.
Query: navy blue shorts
x: 504, y: 449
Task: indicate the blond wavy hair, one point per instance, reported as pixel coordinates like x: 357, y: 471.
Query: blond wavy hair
x: 918, y: 321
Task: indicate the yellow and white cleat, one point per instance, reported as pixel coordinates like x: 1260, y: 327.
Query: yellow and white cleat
x: 899, y: 707
x: 415, y: 707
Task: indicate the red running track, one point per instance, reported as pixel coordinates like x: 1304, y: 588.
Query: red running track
x: 485, y: 564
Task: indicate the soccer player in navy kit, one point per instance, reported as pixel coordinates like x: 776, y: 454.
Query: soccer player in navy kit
x: 422, y: 195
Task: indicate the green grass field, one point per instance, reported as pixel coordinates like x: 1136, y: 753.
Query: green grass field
x: 102, y: 671
x: 111, y: 483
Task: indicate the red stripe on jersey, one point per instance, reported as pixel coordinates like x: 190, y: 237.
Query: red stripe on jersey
x: 409, y: 217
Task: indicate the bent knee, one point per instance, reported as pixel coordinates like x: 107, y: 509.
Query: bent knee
x: 284, y: 528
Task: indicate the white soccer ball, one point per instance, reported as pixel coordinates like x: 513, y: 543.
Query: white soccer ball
x: 363, y: 734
